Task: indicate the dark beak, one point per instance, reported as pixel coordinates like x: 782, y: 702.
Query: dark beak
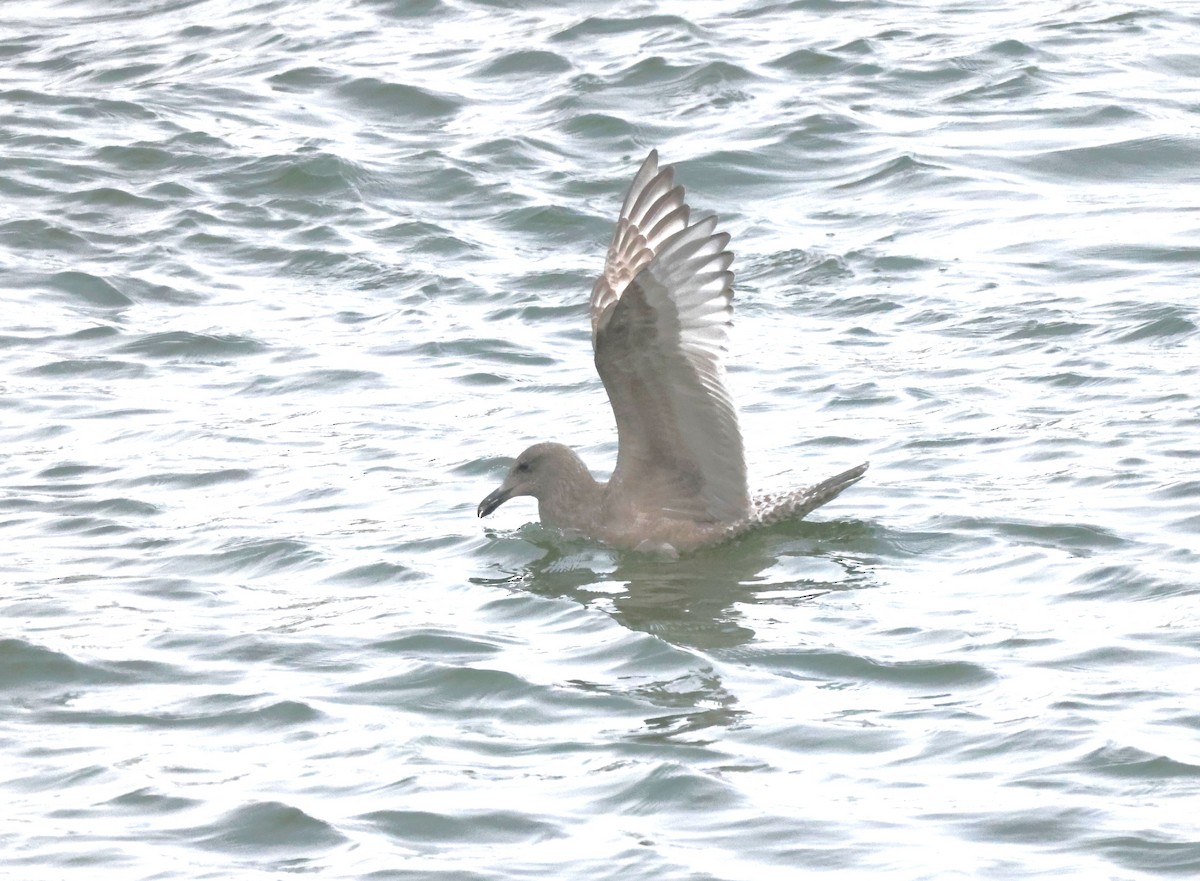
x: 494, y: 500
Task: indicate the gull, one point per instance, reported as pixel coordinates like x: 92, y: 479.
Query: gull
x: 660, y: 314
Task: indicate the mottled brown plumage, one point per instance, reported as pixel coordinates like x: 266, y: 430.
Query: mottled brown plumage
x: 661, y: 312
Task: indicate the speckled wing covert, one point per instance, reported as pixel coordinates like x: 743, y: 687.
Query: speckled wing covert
x: 660, y: 320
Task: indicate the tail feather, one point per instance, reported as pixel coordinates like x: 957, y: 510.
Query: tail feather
x: 794, y: 505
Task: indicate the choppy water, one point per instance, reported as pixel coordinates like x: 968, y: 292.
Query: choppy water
x: 284, y: 284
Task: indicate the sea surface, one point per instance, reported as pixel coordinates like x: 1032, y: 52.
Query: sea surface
x: 285, y: 285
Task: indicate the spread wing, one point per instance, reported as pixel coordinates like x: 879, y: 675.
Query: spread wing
x: 660, y: 320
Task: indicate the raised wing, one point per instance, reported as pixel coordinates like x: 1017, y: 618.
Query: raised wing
x: 660, y: 319
x: 653, y: 210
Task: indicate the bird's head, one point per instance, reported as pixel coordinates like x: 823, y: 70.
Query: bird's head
x: 536, y: 470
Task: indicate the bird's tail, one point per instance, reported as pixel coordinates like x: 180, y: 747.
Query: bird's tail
x: 799, y: 503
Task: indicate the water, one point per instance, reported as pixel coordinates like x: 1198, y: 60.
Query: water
x: 286, y: 283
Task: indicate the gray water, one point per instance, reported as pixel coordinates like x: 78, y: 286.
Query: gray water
x: 286, y: 283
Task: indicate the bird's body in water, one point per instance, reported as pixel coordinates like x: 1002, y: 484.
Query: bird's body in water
x: 660, y: 317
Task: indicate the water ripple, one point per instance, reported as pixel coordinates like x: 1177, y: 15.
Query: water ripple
x: 288, y: 284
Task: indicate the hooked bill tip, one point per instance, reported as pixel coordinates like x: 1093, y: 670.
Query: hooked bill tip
x: 491, y: 502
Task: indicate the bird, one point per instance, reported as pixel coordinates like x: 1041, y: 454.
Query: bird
x: 660, y: 313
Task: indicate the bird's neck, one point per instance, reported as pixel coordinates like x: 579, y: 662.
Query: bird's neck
x: 575, y: 501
